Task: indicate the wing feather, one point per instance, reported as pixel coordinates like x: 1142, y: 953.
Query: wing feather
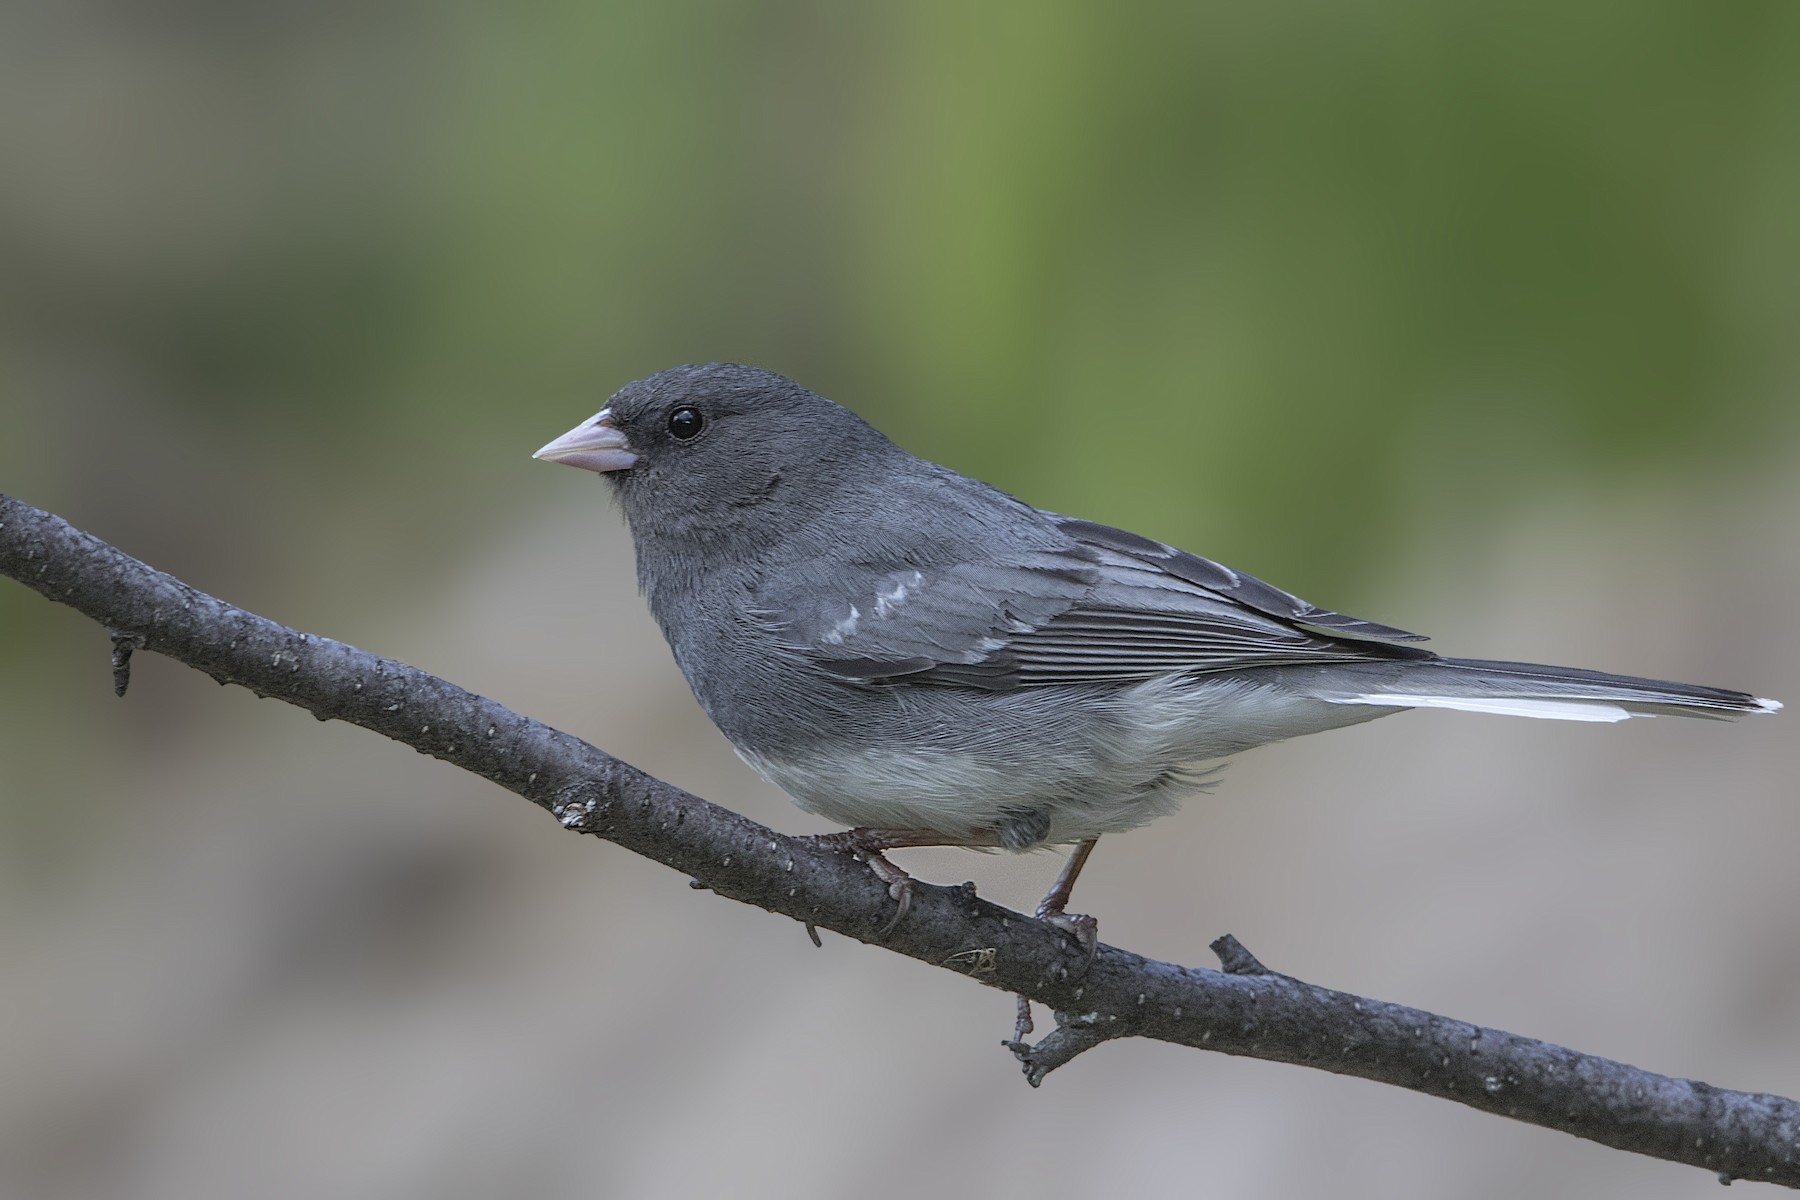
x: 1103, y: 606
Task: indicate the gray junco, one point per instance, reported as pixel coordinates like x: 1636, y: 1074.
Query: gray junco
x: 926, y: 658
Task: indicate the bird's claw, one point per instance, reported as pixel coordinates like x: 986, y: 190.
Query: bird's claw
x: 901, y: 892
x: 899, y: 883
x: 1083, y: 929
x: 1023, y: 1025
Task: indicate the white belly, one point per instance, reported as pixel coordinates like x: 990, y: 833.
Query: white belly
x: 1129, y: 760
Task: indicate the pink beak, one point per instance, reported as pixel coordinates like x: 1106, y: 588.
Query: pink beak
x: 593, y: 445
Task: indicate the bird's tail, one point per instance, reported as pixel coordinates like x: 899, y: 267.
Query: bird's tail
x: 1533, y: 690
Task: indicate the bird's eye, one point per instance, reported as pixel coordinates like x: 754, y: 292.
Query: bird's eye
x: 686, y: 423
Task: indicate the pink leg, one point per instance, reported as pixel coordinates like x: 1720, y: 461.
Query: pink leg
x: 1085, y: 930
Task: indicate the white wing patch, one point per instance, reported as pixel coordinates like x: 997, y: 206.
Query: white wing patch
x: 1552, y: 710
x: 844, y: 628
x: 890, y: 597
x: 890, y: 594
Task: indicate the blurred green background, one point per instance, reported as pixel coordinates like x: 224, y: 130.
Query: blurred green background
x: 1479, y: 320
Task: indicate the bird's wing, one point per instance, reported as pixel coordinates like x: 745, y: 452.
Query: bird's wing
x: 1104, y: 606
x: 881, y: 621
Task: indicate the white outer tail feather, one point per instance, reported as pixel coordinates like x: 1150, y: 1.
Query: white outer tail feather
x: 1549, y: 710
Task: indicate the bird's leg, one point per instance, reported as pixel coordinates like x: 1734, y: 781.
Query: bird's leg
x: 867, y: 845
x: 1085, y: 930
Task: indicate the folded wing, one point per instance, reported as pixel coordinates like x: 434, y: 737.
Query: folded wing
x: 1096, y: 605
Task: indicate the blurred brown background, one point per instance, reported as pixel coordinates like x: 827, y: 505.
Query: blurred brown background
x: 1476, y: 320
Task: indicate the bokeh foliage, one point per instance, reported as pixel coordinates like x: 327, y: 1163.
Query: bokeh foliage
x: 1436, y: 312
x: 1280, y: 281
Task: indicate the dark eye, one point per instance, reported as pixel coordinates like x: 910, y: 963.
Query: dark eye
x: 686, y: 423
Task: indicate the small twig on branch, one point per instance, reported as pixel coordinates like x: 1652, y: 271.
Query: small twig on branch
x: 1073, y: 1035
x: 1244, y: 1009
x: 1235, y: 959
x: 123, y: 644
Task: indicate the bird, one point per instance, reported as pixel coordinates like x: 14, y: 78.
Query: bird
x: 931, y: 661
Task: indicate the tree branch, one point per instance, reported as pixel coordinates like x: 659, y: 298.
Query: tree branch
x: 1244, y: 1009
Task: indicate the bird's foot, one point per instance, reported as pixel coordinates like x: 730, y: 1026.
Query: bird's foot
x: 1083, y: 929
x: 899, y: 886
x: 1023, y: 1025
x: 866, y: 846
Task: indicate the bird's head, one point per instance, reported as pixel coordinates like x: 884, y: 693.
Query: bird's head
x: 719, y: 451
